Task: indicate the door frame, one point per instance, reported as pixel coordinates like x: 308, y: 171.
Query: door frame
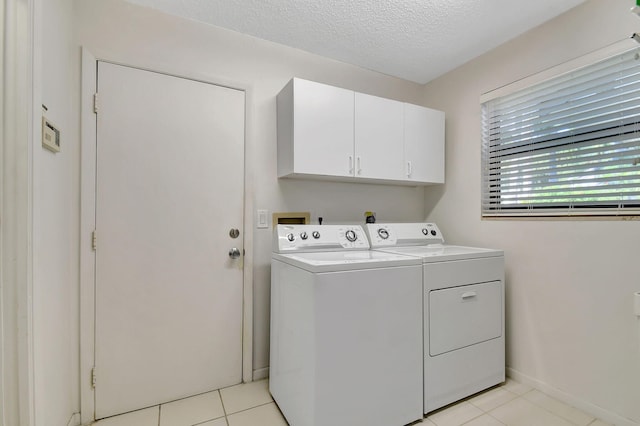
x: 20, y: 47
x: 88, y: 137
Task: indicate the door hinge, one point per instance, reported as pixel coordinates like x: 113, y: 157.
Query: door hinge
x: 94, y: 240
x: 93, y: 377
x: 95, y: 103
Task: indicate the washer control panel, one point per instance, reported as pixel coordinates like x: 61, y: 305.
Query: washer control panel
x: 301, y: 238
x: 381, y: 234
x: 403, y: 234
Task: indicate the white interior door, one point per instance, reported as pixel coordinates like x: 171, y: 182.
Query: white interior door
x: 170, y: 183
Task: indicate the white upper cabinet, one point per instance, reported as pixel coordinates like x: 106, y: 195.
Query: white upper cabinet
x: 315, y: 130
x: 423, y: 144
x: 325, y: 132
x: 378, y: 137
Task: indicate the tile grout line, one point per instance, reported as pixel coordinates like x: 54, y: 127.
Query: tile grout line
x: 496, y: 419
x: 594, y: 418
x: 251, y: 408
x: 488, y: 413
x: 458, y: 404
x: 210, y: 420
x: 473, y: 418
x: 558, y: 415
x: 499, y: 405
x: 224, y: 410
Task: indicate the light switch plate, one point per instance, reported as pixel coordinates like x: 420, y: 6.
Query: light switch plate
x: 50, y: 135
x: 263, y: 221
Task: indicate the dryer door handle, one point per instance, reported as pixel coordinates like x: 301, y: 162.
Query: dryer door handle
x: 469, y: 294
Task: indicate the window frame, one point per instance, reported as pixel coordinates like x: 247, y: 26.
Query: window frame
x: 556, y: 72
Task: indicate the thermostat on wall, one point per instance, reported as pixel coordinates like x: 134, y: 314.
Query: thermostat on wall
x: 50, y: 135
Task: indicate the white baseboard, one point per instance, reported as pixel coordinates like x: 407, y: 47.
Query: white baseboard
x: 261, y: 373
x: 581, y: 404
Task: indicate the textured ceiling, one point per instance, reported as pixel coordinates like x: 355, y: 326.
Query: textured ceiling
x: 417, y: 40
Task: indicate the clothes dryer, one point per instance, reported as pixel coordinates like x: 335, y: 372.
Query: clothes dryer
x: 463, y: 299
x: 346, y: 329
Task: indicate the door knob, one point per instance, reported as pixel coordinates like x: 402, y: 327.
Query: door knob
x: 234, y: 253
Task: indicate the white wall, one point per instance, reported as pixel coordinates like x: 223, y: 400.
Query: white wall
x: 56, y: 217
x: 569, y: 283
x: 117, y: 31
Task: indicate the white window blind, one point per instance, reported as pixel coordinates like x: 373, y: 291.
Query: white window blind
x: 567, y: 145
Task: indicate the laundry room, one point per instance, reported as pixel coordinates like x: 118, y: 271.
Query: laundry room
x: 571, y: 335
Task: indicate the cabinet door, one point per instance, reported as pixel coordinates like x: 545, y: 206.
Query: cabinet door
x: 423, y: 144
x: 378, y: 137
x: 323, y: 129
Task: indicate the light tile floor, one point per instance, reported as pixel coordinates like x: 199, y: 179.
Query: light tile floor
x: 512, y: 404
x: 250, y: 404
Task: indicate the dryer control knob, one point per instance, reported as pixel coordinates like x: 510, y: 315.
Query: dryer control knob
x: 425, y: 231
x: 315, y: 234
x: 351, y: 235
x: 291, y: 237
x: 304, y: 235
x: 433, y: 232
x: 383, y: 233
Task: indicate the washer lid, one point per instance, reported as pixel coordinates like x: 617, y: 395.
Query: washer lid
x: 346, y: 261
x: 443, y: 252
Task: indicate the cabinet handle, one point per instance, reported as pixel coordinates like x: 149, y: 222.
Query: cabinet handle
x: 359, y: 168
x: 409, y: 169
x: 469, y: 294
x: 351, y: 164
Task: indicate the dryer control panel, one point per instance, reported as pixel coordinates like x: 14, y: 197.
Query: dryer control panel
x: 403, y: 234
x: 305, y: 238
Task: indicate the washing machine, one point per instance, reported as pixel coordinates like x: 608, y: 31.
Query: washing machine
x: 463, y: 299
x: 346, y: 329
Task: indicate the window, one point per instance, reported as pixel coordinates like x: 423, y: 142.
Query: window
x: 569, y: 144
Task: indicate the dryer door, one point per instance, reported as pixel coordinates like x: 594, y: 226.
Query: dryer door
x: 463, y: 316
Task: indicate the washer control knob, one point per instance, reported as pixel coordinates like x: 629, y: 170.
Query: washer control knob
x: 383, y: 233
x: 433, y: 232
x: 425, y: 231
x: 304, y: 235
x: 291, y: 237
x: 315, y: 234
x: 351, y: 235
